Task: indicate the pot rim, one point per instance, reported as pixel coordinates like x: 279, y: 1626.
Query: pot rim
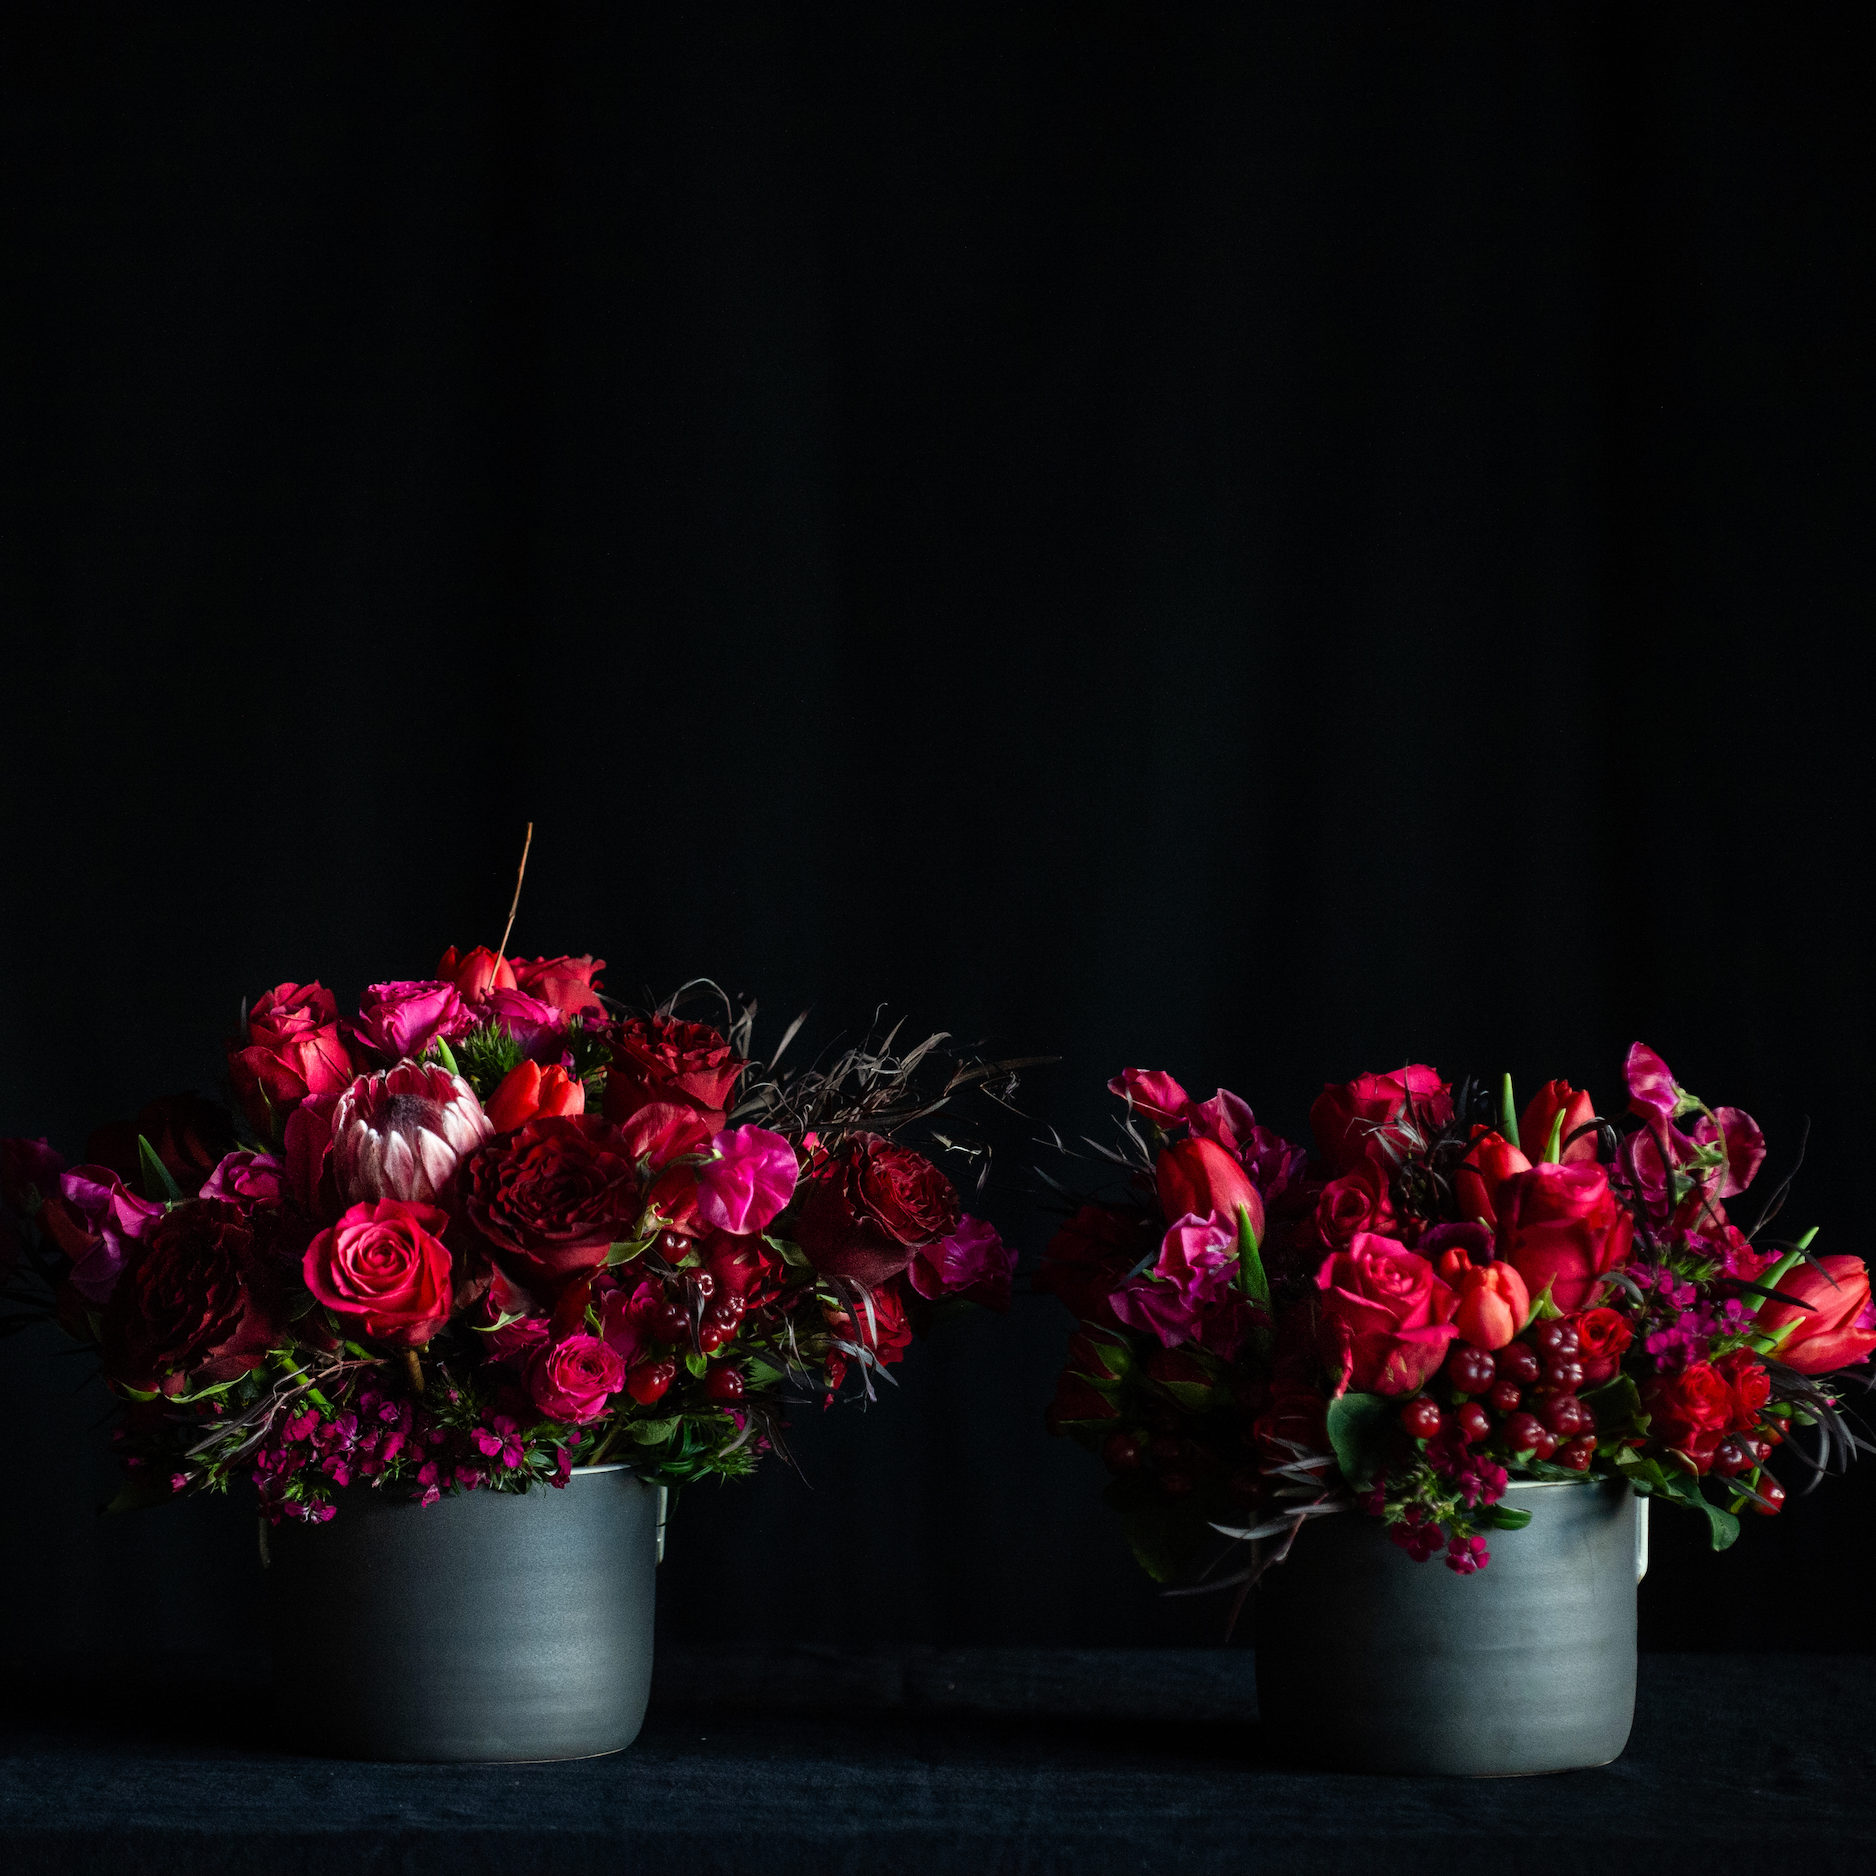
x: 1558, y: 1485
x: 610, y: 1465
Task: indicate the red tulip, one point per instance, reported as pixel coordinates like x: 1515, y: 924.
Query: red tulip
x: 1491, y: 1162
x: 1199, y: 1178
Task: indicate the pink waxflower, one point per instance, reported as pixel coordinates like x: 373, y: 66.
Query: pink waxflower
x: 747, y: 1182
x: 403, y: 1019
x: 403, y: 1134
x: 1152, y: 1093
x: 973, y: 1263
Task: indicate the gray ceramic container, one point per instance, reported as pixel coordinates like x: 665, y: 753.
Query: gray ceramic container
x: 491, y: 1626
x: 1368, y: 1661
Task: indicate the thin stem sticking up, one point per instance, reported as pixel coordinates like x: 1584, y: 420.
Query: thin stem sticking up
x: 514, y: 905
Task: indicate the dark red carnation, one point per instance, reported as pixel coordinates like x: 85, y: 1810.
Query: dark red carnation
x: 556, y: 1193
x: 868, y: 1205
x: 659, y: 1058
x: 197, y: 1304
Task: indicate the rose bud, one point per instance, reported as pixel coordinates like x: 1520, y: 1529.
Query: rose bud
x: 1602, y: 1337
x: 1493, y: 1305
x: 571, y: 1380
x: 402, y: 1134
x: 1078, y: 1404
x: 529, y: 1092
x: 1184, y: 1376
x: 1558, y: 1110
x: 1198, y: 1178
x: 1101, y: 1358
x: 1837, y: 1328
x: 1491, y: 1162
x: 387, y: 1263
x: 1152, y: 1094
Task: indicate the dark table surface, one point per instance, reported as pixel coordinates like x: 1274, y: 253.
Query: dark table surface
x: 827, y: 1761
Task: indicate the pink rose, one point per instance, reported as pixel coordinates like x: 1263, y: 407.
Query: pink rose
x: 748, y: 1181
x: 570, y: 1380
x: 1387, y: 1317
x: 403, y: 1019
x: 387, y: 1263
x: 538, y: 1027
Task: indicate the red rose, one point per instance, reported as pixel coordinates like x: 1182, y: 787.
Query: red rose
x: 1295, y: 1416
x: 1748, y: 1384
x: 189, y: 1135
x: 197, y: 1303
x: 1387, y: 1318
x: 1491, y: 1162
x: 1603, y: 1337
x: 868, y: 1205
x: 1351, y: 1120
x: 570, y: 1380
x: 1560, y: 1225
x: 1090, y: 1256
x: 475, y: 974
x: 568, y: 984
x: 1691, y: 1411
x: 385, y: 1261
x: 1539, y: 1119
x: 1356, y: 1202
x: 1838, y: 1327
x: 658, y: 1058
x: 292, y: 1049
x: 1199, y: 1178
x: 558, y: 1193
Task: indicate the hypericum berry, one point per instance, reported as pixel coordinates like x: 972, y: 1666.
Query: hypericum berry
x: 1565, y: 1415
x: 1772, y: 1492
x: 1563, y: 1371
x: 1470, y: 1369
x: 1524, y: 1433
x: 713, y: 1335
x: 648, y: 1381
x: 673, y: 1246
x: 1578, y: 1453
x: 671, y: 1323
x: 1770, y: 1433
x: 1474, y: 1422
x: 1730, y: 1458
x: 1121, y: 1452
x: 724, y: 1384
x: 1519, y: 1363
x: 1556, y: 1337
x: 1504, y: 1397
x: 1422, y: 1417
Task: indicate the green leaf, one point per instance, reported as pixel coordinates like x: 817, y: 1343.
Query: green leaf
x: 1358, y: 1428
x: 652, y: 1432
x: 1163, y: 1537
x: 1252, y: 1279
x: 1508, y: 1114
x: 1722, y: 1526
x: 1506, y: 1518
x: 444, y: 1055
x: 1553, y: 1147
x: 1616, y: 1405
x: 697, y: 1364
x: 788, y: 1252
x: 157, y: 1184
x: 625, y: 1249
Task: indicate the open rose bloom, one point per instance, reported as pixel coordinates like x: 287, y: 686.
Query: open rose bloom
x: 1442, y: 1294
x: 485, y: 1230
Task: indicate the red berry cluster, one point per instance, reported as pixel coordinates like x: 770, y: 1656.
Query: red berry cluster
x: 1520, y: 1400
x: 715, y: 1329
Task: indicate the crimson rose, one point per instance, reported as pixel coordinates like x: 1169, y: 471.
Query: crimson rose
x: 385, y: 1261
x: 1559, y: 1225
x: 558, y: 1192
x: 1691, y: 1411
x: 1386, y: 1317
x: 292, y: 1049
x: 868, y: 1205
x: 659, y: 1058
x: 196, y: 1303
x: 571, y: 1379
x: 1350, y: 1120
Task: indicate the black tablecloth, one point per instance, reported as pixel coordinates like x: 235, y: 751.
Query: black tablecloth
x: 984, y: 1760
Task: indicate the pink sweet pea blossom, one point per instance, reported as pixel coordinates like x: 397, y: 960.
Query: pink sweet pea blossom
x: 1197, y: 1260
x: 748, y: 1181
x: 1153, y: 1093
x: 1745, y: 1146
x: 94, y: 1219
x: 244, y: 1178
x: 1653, y: 1092
x: 973, y: 1263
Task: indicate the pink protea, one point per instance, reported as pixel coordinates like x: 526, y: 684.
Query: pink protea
x: 402, y: 1134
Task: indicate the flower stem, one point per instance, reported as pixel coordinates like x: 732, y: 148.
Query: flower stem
x: 293, y: 1368
x: 605, y: 1445
x: 1776, y: 1275
x: 415, y: 1369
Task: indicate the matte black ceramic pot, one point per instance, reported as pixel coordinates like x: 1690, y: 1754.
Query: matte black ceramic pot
x: 493, y: 1626
x: 1368, y: 1661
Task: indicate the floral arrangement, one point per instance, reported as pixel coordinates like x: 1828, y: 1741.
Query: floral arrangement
x: 492, y: 1226
x: 1448, y: 1294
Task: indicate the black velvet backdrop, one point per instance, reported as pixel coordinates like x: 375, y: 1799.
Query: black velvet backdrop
x: 1259, y: 542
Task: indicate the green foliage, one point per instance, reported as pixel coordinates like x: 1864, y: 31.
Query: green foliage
x: 591, y: 1052
x: 157, y: 1184
x: 486, y: 1054
x: 1359, y: 1425
x: 1617, y: 1407
x: 1505, y: 1518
